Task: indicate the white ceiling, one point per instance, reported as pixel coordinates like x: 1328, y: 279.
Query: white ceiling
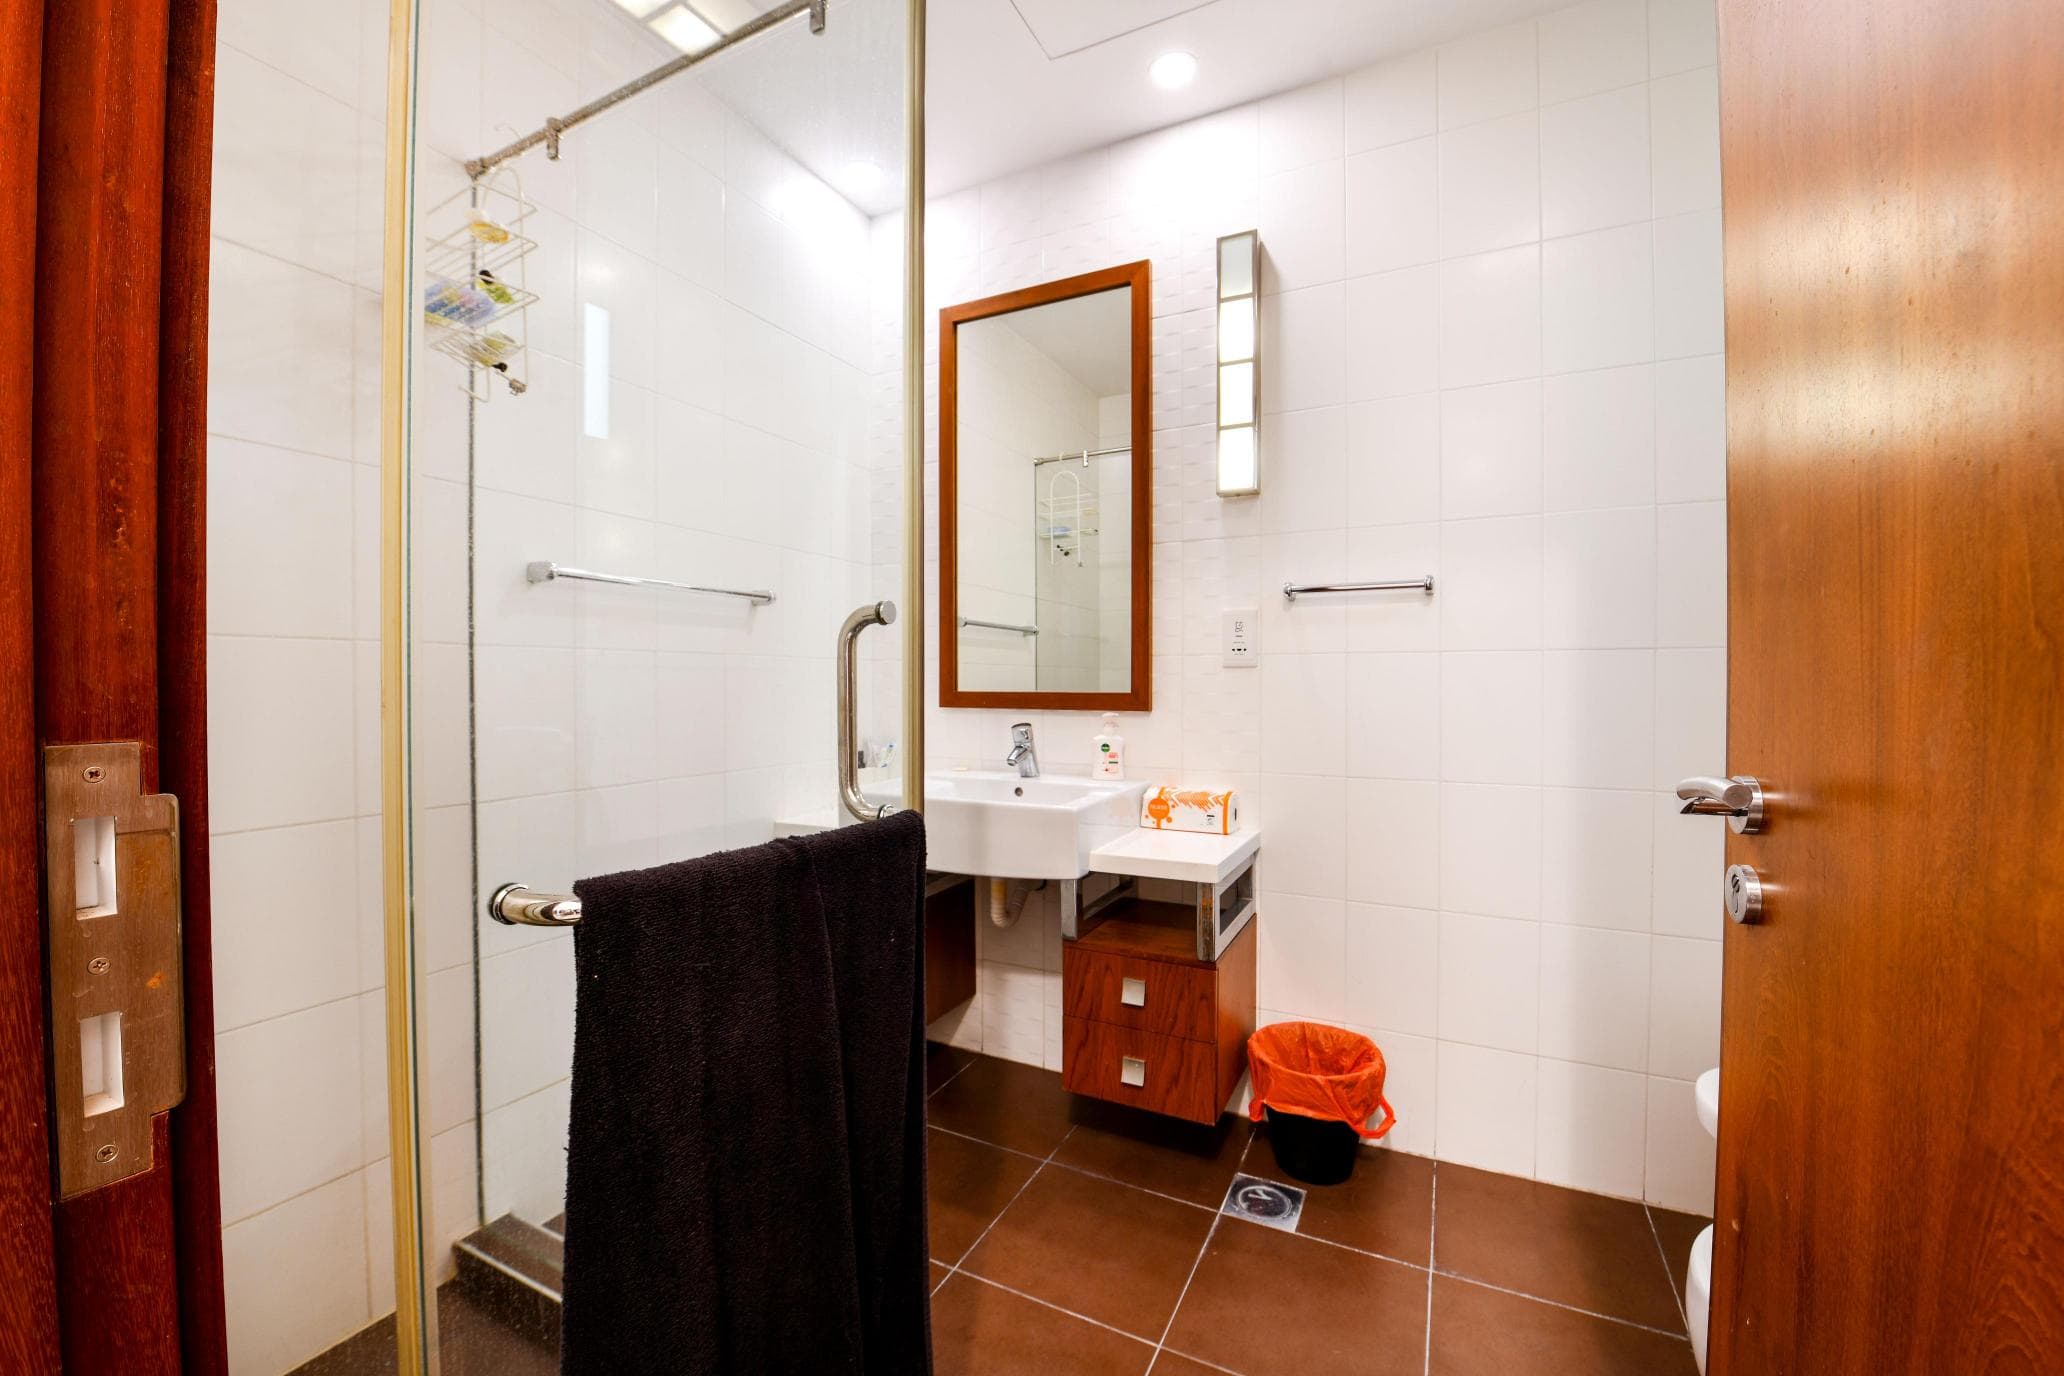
x: 1015, y: 83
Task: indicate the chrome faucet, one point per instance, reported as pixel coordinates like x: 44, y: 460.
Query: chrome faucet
x: 1022, y: 757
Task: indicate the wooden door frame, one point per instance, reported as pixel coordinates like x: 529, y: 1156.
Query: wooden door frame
x: 105, y: 184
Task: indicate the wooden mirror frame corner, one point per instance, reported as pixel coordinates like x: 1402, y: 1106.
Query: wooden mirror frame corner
x: 1139, y: 696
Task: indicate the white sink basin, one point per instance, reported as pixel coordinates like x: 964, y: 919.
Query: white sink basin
x: 991, y: 822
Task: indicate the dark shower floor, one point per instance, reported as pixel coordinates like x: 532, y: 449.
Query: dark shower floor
x: 1071, y: 1238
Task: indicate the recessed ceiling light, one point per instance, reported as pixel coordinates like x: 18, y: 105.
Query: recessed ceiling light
x: 683, y: 28
x: 640, y: 8
x: 1173, y: 71
x: 860, y: 176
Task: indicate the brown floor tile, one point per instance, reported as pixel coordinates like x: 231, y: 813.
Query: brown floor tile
x: 939, y: 1273
x: 1479, y: 1332
x: 942, y: 1063
x: 1265, y: 1302
x: 980, y: 1330
x: 967, y: 1184
x: 1174, y: 1364
x: 1017, y: 1106
x: 1113, y: 1253
x: 1385, y: 1206
x: 1578, y: 1249
x: 1677, y: 1232
x: 1155, y: 1152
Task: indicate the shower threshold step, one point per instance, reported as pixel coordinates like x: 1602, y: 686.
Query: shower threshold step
x: 511, y: 1268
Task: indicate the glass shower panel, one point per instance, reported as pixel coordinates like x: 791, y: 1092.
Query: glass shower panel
x: 657, y: 457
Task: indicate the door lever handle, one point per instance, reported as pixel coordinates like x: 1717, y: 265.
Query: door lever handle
x: 1739, y: 800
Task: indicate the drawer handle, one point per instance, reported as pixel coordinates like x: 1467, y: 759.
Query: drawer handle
x: 1132, y: 1071
x: 1132, y: 993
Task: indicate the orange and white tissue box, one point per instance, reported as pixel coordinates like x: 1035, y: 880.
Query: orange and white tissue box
x: 1190, y: 809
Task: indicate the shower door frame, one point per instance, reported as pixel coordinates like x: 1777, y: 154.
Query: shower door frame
x: 415, y: 1315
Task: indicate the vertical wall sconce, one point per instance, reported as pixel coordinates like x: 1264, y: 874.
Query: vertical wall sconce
x: 1239, y: 364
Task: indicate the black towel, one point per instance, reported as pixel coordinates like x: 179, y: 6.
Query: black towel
x: 745, y: 1186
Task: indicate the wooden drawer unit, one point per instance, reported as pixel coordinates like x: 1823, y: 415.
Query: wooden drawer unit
x: 1146, y: 1022
x: 1127, y: 1066
x: 1133, y: 991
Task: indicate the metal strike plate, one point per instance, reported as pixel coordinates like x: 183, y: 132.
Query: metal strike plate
x: 1132, y: 992
x: 117, y: 1015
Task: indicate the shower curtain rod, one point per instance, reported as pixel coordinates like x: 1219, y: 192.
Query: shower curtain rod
x: 559, y: 124
x: 1082, y: 455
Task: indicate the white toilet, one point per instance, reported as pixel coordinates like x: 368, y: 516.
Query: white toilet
x: 1698, y: 1276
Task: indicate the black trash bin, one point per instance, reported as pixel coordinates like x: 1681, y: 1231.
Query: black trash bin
x: 1318, y: 1153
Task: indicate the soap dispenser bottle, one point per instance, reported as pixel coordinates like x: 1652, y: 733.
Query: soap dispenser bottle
x: 1108, y: 758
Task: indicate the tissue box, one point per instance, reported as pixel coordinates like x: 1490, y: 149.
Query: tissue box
x: 1190, y: 809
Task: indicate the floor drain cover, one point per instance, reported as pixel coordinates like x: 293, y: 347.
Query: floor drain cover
x: 1264, y: 1202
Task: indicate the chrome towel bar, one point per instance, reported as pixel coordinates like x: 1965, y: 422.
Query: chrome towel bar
x: 514, y: 905
x: 999, y: 626
x: 1423, y: 584
x: 544, y: 571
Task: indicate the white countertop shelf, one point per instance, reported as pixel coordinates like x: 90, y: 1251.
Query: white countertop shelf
x: 1191, y: 856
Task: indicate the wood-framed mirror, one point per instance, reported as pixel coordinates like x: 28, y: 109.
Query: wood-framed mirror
x: 1046, y: 497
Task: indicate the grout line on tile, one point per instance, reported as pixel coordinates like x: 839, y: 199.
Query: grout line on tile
x: 961, y: 1070
x: 1664, y: 1256
x: 1007, y: 1204
x: 1058, y: 1309
x: 1558, y: 1304
x: 1432, y: 1259
x: 1114, y: 1180
x: 970, y: 1137
x: 1188, y: 1280
x: 1192, y: 1360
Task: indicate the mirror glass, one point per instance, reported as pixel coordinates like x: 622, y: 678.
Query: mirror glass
x: 1045, y: 493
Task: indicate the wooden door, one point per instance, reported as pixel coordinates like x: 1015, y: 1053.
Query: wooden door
x: 1891, y: 1168
x: 104, y: 177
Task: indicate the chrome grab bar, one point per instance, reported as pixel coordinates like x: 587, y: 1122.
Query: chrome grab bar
x: 544, y: 571
x: 1000, y: 626
x: 856, y: 803
x: 1421, y: 584
x: 514, y: 905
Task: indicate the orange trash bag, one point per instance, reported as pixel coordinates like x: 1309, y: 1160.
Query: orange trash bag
x: 1316, y: 1071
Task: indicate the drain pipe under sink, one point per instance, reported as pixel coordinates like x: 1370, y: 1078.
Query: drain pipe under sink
x: 1007, y: 899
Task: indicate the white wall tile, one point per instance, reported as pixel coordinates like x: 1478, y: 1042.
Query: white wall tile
x: 1691, y: 715
x: 1594, y: 996
x: 1490, y: 850
x: 1489, y: 981
x: 1684, y: 1008
x: 289, y: 1106
x: 1300, y: 127
x: 1394, y: 715
x: 1491, y: 450
x: 1596, y: 46
x: 1597, y: 572
x: 1391, y: 102
x: 1393, y: 460
x: 1598, y: 439
x: 1490, y: 185
x: 1307, y: 826
x: 1590, y: 1128
x: 285, y: 913
x: 1595, y: 857
x: 1596, y: 300
x: 1394, y: 620
x: 1412, y: 1076
x: 1691, y: 580
x: 1490, y: 718
x: 1691, y: 430
x: 1306, y: 363
x: 1488, y: 74
x: 294, y: 1279
x: 280, y: 732
x: 1393, y: 967
x: 1303, y: 713
x: 281, y: 564
x: 1680, y: 1153
x: 280, y: 353
x: 1689, y: 865
x: 1490, y: 585
x: 1597, y: 710
x: 1688, y: 304
x: 1486, y: 1108
x: 1393, y: 333
x: 1393, y: 842
x: 1302, y: 227
x: 1392, y: 205
x: 1595, y: 162
x: 1307, y: 477
x: 1684, y: 139
x: 1490, y: 317
x: 1303, y: 955
x: 1681, y: 34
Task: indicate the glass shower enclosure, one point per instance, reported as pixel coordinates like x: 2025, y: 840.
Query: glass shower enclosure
x: 650, y: 442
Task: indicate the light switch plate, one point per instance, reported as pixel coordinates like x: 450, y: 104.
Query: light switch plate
x: 1239, y: 637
